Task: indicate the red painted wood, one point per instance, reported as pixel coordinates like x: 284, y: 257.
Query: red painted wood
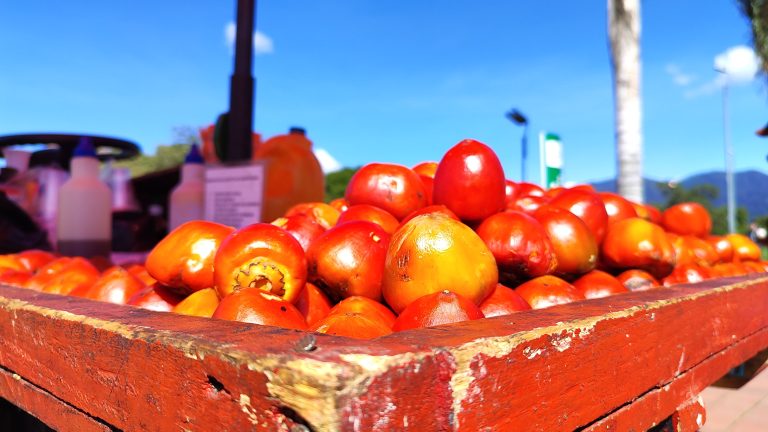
x: 689, y: 417
x: 48, y: 409
x: 659, y: 403
x: 554, y: 369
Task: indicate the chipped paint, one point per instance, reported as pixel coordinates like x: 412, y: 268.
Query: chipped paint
x: 561, y: 343
x: 501, y: 346
x: 313, y: 388
x: 245, y: 406
x: 530, y: 353
x: 16, y: 377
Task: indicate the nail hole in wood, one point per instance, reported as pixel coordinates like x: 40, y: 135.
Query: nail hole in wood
x: 216, y: 384
x: 300, y: 424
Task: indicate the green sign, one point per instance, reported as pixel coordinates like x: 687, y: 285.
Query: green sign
x: 551, y: 160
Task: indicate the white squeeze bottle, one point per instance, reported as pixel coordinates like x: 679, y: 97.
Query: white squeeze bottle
x: 84, y: 221
x: 187, y: 199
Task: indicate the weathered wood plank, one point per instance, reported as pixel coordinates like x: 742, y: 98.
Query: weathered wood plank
x: 561, y: 368
x: 140, y: 370
x: 661, y: 402
x: 554, y: 369
x: 47, y: 408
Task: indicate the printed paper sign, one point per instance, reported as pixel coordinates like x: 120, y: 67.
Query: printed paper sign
x: 234, y: 195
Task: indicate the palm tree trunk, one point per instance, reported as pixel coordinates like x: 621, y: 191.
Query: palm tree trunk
x: 624, y: 38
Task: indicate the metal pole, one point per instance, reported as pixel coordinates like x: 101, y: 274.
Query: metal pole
x: 730, y: 184
x: 240, y: 123
x: 542, y: 170
x: 524, y: 157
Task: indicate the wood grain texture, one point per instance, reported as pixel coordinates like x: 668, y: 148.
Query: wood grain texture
x: 48, y: 409
x: 563, y: 368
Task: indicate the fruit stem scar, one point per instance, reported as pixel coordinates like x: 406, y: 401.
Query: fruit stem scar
x: 264, y: 275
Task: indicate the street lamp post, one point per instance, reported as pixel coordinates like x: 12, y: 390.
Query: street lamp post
x: 519, y: 119
x: 241, y: 87
x: 730, y: 184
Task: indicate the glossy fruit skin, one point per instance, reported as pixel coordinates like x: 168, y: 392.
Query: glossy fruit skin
x: 200, y: 303
x: 34, y: 259
x: 262, y: 256
x: 353, y: 325
x: 639, y: 244
x: 322, y: 213
x: 432, y: 253
x: 367, y: 307
x: 339, y: 204
x: 142, y: 274
x: 429, y: 188
x: 503, y: 301
x: 470, y: 181
x: 183, y: 260
x: 155, y: 298
x: 15, y: 278
x: 43, y: 275
x: 694, y: 250
x: 754, y: 267
x: 617, y: 207
x: 688, y: 218
x: 313, y: 304
x: 511, y: 192
x: 427, y: 168
x: 436, y: 208
x: 744, y: 249
x: 519, y: 244
x: 252, y: 305
x: 638, y: 280
x: 588, y: 206
x: 597, y: 284
x: 348, y: 260
x: 546, y: 291
x: 443, y: 307
x: 367, y: 212
x: 116, y: 285
x: 302, y: 227
x: 654, y: 214
x: 529, y: 203
x: 554, y: 191
x: 722, y: 246
x: 394, y: 188
x: 574, y: 245
x: 687, y: 273
x: 11, y: 262
x: 529, y: 189
x: 63, y: 275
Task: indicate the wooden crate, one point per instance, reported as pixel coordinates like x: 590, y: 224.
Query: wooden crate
x: 629, y: 362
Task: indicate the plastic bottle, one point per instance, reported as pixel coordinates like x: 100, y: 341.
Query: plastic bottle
x: 293, y: 173
x: 23, y: 188
x: 123, y: 198
x: 187, y: 199
x: 84, y: 226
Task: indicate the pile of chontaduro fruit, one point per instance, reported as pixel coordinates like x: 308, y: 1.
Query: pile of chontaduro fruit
x: 409, y: 248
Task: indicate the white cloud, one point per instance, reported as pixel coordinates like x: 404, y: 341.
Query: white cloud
x: 327, y: 162
x: 678, y: 76
x: 739, y: 64
x: 735, y: 66
x: 262, y: 44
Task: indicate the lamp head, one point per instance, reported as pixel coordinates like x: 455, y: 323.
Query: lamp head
x: 517, y: 117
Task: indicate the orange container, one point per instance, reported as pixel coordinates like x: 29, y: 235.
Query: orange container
x: 293, y: 173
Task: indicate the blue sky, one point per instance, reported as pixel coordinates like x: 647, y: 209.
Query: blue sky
x: 385, y: 81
